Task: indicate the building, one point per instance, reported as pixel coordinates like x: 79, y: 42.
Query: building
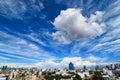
x: 71, y: 66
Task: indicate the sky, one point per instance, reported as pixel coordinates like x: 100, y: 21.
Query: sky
x: 50, y: 33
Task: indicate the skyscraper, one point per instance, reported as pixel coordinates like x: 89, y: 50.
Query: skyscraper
x: 71, y: 66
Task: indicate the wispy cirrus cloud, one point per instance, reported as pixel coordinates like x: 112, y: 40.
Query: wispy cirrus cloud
x: 109, y: 43
x: 34, y: 37
x: 19, y: 9
x: 20, y: 48
x: 4, y: 58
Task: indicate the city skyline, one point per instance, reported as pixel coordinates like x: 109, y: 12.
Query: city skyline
x: 57, y: 32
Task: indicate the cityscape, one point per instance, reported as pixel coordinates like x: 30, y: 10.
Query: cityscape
x: 108, y: 72
x: 59, y: 40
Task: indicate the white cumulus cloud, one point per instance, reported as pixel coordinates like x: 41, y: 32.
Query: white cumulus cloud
x: 61, y: 37
x: 74, y: 26
x: 78, y: 62
x: 93, y: 58
x: 64, y: 63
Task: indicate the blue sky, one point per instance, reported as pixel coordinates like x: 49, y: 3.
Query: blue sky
x: 53, y: 32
